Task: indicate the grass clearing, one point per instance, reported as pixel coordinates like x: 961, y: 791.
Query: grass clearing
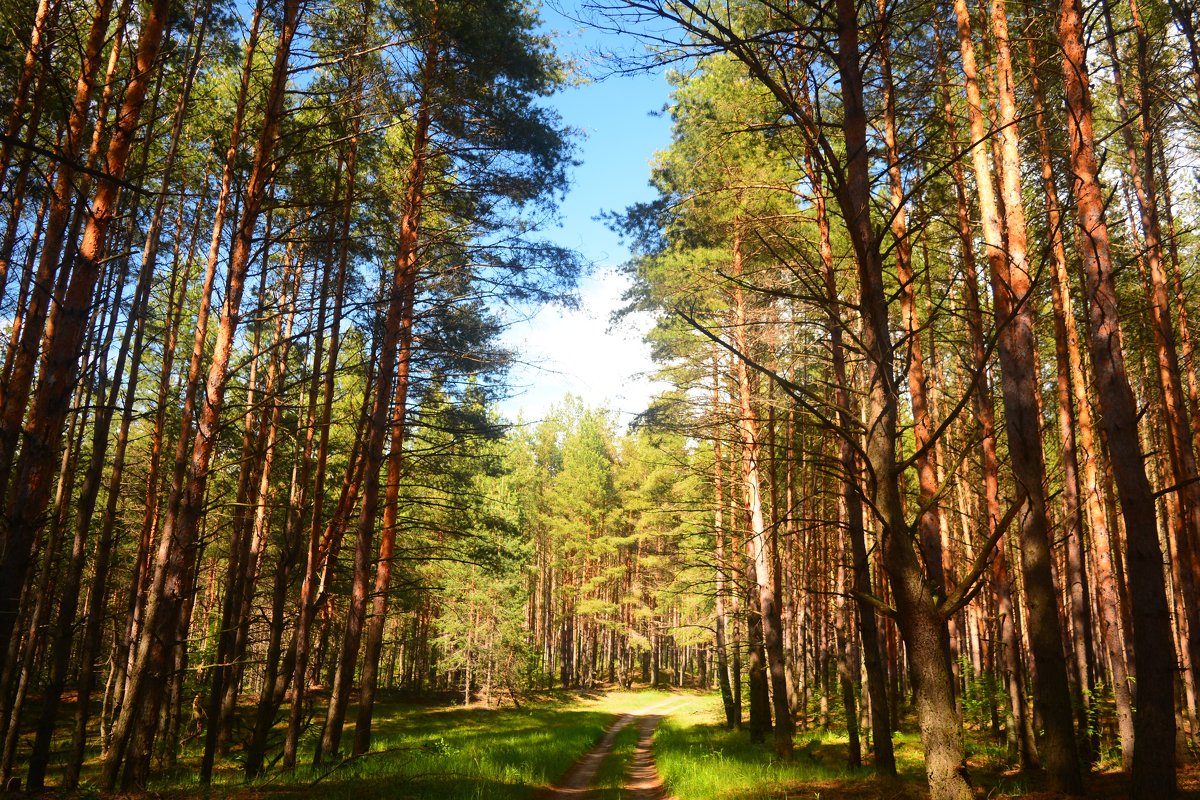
x: 435, y: 752
x: 471, y: 753
x: 700, y: 760
x: 428, y: 752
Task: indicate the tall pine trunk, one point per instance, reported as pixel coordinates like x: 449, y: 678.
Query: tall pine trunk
x: 758, y: 541
x: 1154, y: 651
x: 172, y: 580
x: 733, y: 711
x: 920, y: 619
x: 377, y: 427
x: 1004, y: 231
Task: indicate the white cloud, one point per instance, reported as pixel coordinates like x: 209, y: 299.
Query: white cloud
x: 580, y: 352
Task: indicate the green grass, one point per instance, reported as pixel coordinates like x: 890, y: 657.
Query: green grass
x: 610, y: 780
x: 700, y: 760
x: 462, y: 753
x: 465, y: 753
x: 422, y: 751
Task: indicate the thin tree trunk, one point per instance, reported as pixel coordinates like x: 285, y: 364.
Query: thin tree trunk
x: 308, y: 589
x: 847, y: 662
x: 732, y: 712
x: 1018, y: 725
x: 377, y: 428
x: 267, y: 704
x: 757, y: 539
x: 212, y: 730
x: 1064, y: 339
x: 930, y: 521
x: 406, y: 267
x: 171, y: 585
x: 851, y: 500
x: 15, y: 389
x: 760, y: 694
x: 1185, y: 527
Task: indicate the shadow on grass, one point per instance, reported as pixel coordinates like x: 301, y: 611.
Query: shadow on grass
x: 458, y: 753
x: 742, y: 771
x: 708, y: 762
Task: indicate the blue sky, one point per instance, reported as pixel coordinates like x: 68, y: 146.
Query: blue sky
x: 577, y: 351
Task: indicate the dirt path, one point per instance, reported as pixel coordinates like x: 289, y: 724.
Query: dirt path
x: 643, y: 782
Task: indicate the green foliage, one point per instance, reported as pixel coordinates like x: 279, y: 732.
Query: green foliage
x: 1102, y: 726
x: 982, y: 696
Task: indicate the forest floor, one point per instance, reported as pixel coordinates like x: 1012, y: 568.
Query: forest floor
x: 603, y: 745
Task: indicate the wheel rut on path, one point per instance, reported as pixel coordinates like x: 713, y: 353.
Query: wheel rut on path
x: 642, y: 781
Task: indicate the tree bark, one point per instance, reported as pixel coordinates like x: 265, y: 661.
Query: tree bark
x: 15, y: 389
x: 1154, y: 721
x: 308, y: 588
x: 171, y: 582
x: 757, y: 535
x: 377, y: 426
x: 1012, y: 287
x: 1185, y: 526
x: 851, y: 500
x: 406, y: 264
x: 921, y: 622
x: 733, y: 712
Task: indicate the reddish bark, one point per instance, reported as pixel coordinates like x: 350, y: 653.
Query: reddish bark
x: 920, y: 619
x: 42, y: 433
x: 406, y: 266
x: 308, y: 587
x: 171, y: 585
x: 1154, y: 722
x: 758, y: 544
x: 733, y: 711
x: 377, y: 428
x: 1012, y: 287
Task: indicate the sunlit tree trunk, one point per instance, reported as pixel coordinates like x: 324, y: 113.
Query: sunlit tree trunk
x: 171, y: 584
x: 89, y: 490
x: 733, y: 711
x: 1018, y: 725
x: 851, y: 500
x: 378, y: 426
x: 308, y: 587
x: 15, y: 388
x: 410, y: 226
x: 1185, y: 526
x: 1066, y: 348
x: 758, y: 540
x: 1154, y: 721
x: 920, y: 619
x: 1012, y: 287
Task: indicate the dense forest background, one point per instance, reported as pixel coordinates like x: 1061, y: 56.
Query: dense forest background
x: 924, y: 279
